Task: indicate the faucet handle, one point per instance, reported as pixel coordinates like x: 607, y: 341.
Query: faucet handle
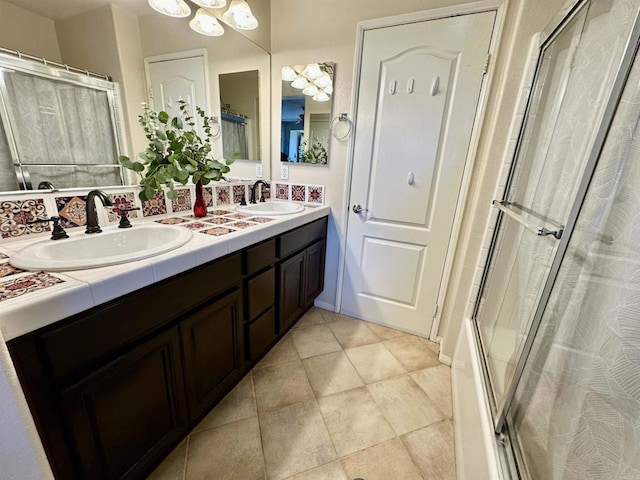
x: 124, y: 217
x: 58, y: 232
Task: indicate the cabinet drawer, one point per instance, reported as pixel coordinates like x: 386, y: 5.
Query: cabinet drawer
x: 261, y: 333
x: 93, y: 335
x: 259, y: 256
x: 260, y: 293
x: 293, y: 241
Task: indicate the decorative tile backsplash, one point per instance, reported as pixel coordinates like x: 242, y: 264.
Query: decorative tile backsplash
x: 217, y: 231
x: 72, y: 210
x: 182, y: 202
x: 6, y: 270
x: 15, y: 216
x: 154, y: 206
x: 16, y: 211
x: 172, y: 221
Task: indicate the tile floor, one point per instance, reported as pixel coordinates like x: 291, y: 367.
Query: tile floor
x: 336, y: 399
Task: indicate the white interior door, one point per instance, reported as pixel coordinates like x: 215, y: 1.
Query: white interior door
x: 418, y: 95
x: 175, y: 79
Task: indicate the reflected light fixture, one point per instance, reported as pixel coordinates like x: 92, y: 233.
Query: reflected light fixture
x: 300, y: 82
x: 328, y: 89
x: 312, y: 71
x: 239, y: 16
x: 211, y: 3
x: 172, y: 8
x: 288, y: 74
x: 206, y: 24
x: 311, y: 90
x: 321, y: 97
x: 323, y: 81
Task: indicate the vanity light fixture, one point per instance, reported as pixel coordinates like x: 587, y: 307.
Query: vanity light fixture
x: 172, y: 8
x: 323, y: 81
x: 312, y: 71
x: 239, y: 16
x: 328, y: 89
x: 210, y: 3
x: 300, y: 82
x: 206, y: 24
x: 288, y: 74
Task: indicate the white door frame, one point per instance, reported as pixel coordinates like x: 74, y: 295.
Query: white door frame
x: 498, y: 6
x: 199, y: 52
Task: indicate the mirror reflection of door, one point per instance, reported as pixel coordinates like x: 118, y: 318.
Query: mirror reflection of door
x: 240, y: 113
x: 306, y: 107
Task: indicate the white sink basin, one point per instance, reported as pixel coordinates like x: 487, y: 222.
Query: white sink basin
x: 110, y: 247
x: 270, y: 208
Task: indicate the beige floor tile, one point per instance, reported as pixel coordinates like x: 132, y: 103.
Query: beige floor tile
x: 284, y: 351
x: 330, y: 471
x: 385, y: 333
x: 295, y: 440
x: 172, y: 468
x: 436, y: 383
x: 432, y: 450
x: 413, y: 352
x: 386, y: 461
x: 404, y: 404
x: 334, y: 317
x: 374, y: 362
x: 314, y: 340
x: 238, y: 404
x: 312, y: 317
x: 354, y: 421
x: 230, y: 452
x: 281, y: 385
x: 331, y: 373
x: 352, y: 333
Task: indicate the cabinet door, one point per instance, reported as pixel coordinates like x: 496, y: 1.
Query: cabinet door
x: 314, y: 272
x: 123, y: 417
x: 291, y: 290
x: 212, y: 343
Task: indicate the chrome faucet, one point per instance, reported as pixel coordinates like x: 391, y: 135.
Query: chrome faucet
x: 91, y: 212
x: 253, y: 188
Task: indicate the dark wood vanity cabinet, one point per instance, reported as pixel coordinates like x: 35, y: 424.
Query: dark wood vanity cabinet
x: 114, y: 389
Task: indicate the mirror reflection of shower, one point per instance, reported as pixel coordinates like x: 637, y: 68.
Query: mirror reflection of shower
x: 307, y: 91
x: 240, y: 113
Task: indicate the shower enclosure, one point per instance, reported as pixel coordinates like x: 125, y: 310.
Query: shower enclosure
x: 557, y: 319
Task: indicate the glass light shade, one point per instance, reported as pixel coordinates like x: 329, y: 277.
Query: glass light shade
x: 239, y: 16
x: 211, y: 3
x: 321, y: 97
x: 311, y: 90
x: 312, y: 71
x: 300, y: 83
x: 206, y: 24
x: 173, y: 8
x: 288, y: 74
x: 323, y: 80
x: 328, y: 89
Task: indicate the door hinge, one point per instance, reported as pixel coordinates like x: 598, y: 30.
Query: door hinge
x: 487, y: 61
x: 435, y: 311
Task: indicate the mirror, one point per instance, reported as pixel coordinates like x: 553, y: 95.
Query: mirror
x: 305, y: 123
x: 240, y: 114
x: 115, y: 39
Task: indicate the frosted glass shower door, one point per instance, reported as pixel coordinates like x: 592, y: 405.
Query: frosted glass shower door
x: 574, y: 80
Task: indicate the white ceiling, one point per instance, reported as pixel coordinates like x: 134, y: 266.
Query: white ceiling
x: 61, y: 9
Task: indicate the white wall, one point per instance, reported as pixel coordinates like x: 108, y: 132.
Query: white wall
x: 331, y: 37
x: 28, y: 32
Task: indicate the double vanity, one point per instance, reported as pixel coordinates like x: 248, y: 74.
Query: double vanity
x: 115, y: 387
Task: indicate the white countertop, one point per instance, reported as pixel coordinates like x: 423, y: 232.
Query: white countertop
x: 84, y: 289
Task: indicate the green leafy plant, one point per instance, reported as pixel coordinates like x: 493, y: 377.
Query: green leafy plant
x: 316, y: 153
x: 176, y: 153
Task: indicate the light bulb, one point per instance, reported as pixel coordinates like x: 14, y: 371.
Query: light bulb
x: 312, y: 71
x: 211, y: 3
x: 300, y: 83
x: 239, y: 16
x: 311, y: 90
x: 206, y: 24
x: 173, y: 8
x: 323, y: 80
x: 321, y: 97
x: 288, y: 74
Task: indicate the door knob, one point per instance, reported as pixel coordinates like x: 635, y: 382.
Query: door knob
x: 359, y: 209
